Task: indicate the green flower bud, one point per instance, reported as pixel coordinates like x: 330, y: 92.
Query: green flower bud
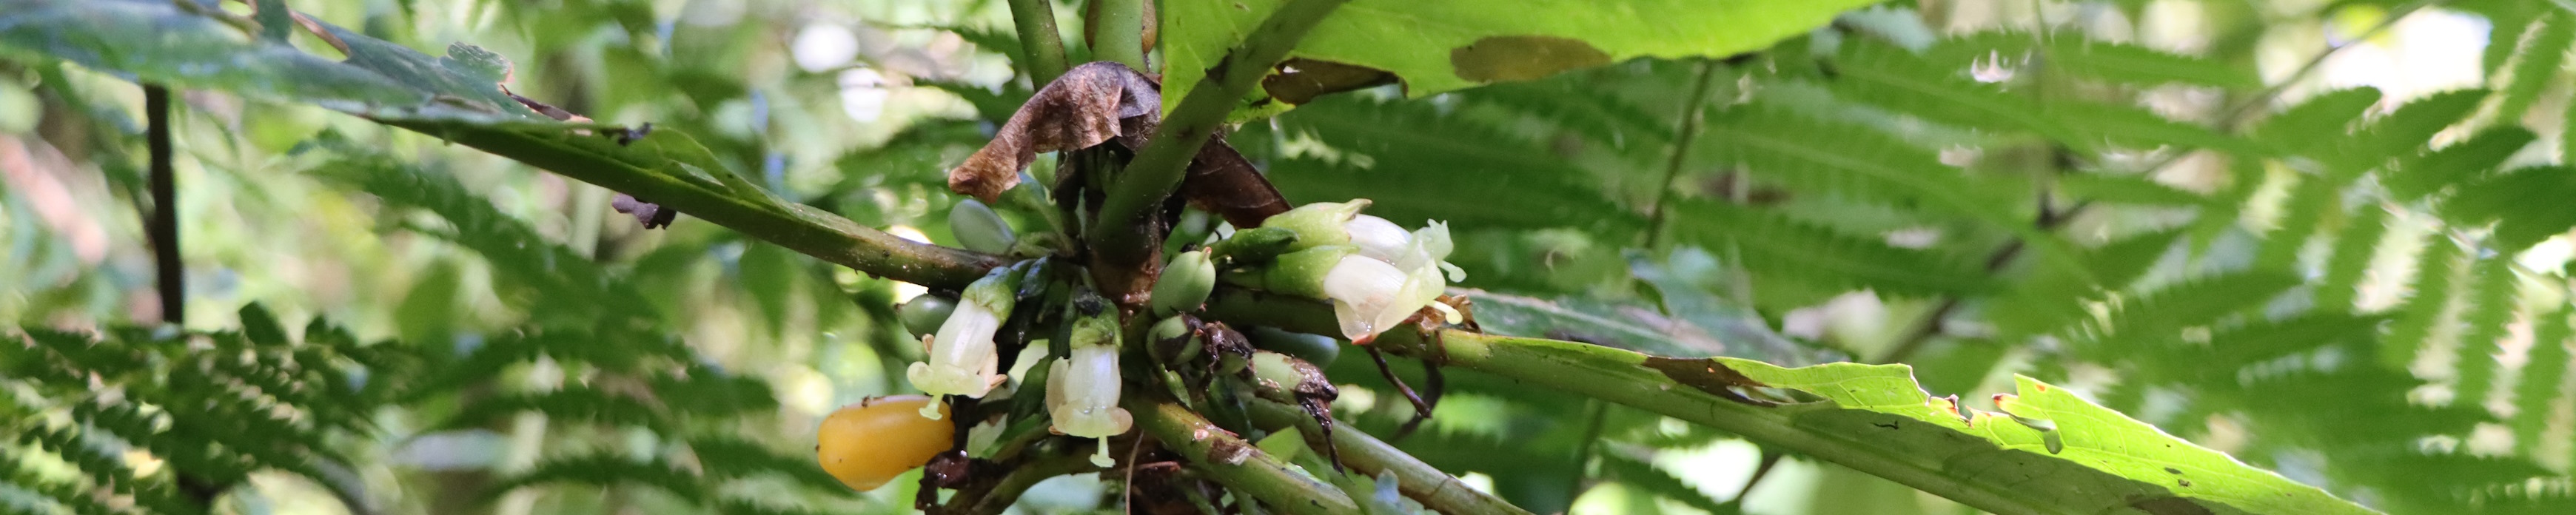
x: 1253, y: 246
x: 979, y: 228
x: 924, y: 314
x: 1300, y: 273
x: 1319, y: 223
x: 1184, y: 284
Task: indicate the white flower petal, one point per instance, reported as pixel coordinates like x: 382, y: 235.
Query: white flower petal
x: 1377, y: 238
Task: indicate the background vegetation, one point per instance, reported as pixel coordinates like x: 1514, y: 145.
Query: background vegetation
x: 2325, y: 238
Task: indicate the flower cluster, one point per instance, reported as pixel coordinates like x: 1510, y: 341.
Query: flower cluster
x: 1375, y: 273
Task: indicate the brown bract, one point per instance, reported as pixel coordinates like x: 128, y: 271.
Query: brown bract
x: 1090, y: 104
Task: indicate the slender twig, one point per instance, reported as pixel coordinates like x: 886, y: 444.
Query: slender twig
x: 163, y: 227
x: 1007, y: 491
x: 1118, y: 233
x: 1040, y: 41
x: 1120, y: 35
x: 1760, y: 471
x: 1369, y: 456
x: 1231, y: 461
x: 1685, y: 131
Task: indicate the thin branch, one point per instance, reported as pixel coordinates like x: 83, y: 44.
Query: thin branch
x: 1040, y: 41
x: 1007, y: 491
x: 1686, y: 130
x: 1118, y: 233
x: 162, y: 229
x: 1595, y: 412
x: 1369, y: 456
x: 1231, y: 461
x: 797, y: 227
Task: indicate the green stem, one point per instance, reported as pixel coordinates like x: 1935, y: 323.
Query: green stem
x: 1621, y: 376
x: 1007, y: 492
x: 1118, y: 232
x: 1684, y: 133
x: 1121, y: 34
x: 1234, y: 462
x: 1040, y: 42
x: 1369, y: 457
x: 825, y: 236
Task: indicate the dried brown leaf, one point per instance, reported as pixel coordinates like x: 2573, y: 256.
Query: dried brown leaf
x: 1090, y: 104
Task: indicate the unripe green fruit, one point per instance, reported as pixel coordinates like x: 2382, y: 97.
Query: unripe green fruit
x: 979, y: 228
x: 1314, y: 348
x: 924, y: 314
x: 1184, y: 284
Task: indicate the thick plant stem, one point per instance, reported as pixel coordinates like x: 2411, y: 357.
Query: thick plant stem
x: 1120, y: 35
x: 1119, y: 233
x: 797, y: 227
x: 1369, y: 456
x: 1230, y: 460
x: 1621, y: 376
x: 1041, y: 43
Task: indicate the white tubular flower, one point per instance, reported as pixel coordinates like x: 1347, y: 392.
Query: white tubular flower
x: 1375, y: 273
x: 962, y: 357
x: 1082, y: 388
x: 1377, y: 238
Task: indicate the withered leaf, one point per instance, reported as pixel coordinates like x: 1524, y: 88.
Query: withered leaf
x: 1708, y: 375
x: 1221, y: 181
x: 1090, y: 104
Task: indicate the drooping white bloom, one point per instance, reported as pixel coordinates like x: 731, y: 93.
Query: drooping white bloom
x: 963, y: 360
x: 1082, y: 389
x: 1383, y: 276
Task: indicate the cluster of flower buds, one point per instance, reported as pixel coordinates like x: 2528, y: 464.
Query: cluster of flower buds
x: 1082, y: 389
x: 963, y: 360
x: 1375, y: 273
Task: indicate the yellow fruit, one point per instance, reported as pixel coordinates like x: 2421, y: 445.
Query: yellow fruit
x: 869, y: 443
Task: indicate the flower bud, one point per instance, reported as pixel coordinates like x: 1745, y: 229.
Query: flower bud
x: 1319, y: 223
x: 1314, y: 348
x: 1253, y: 246
x: 924, y: 314
x: 1083, y: 388
x: 979, y: 228
x: 963, y: 360
x: 1184, y: 284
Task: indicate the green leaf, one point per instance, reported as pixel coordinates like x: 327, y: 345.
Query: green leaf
x: 2523, y: 202
x: 1889, y: 77
x: 1435, y: 47
x: 2110, y: 61
x: 2491, y: 307
x: 2537, y: 55
x: 2160, y: 315
x: 2317, y: 124
x: 2421, y: 176
x: 2094, y: 124
x: 1771, y: 244
x: 186, y: 50
x: 2100, y: 459
x: 2436, y: 270
x: 2354, y: 248
x: 1645, y: 476
x: 2127, y: 189
x: 1776, y: 146
x: 2536, y: 393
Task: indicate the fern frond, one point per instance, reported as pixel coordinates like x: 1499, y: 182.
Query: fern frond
x: 2417, y: 177
x: 605, y: 470
x: 524, y: 258
x: 2540, y: 390
x: 2127, y: 189
x: 1888, y: 76
x: 730, y: 457
x: 1805, y: 154
x: 2307, y: 206
x: 2485, y: 317
x: 2537, y: 54
x: 1646, y: 477
x: 580, y: 403
x: 1773, y: 245
x: 2353, y: 249
x: 2159, y: 315
x: 2316, y: 124
x: 2115, y: 62
x: 2524, y: 203
x: 2429, y: 306
x: 2096, y: 125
